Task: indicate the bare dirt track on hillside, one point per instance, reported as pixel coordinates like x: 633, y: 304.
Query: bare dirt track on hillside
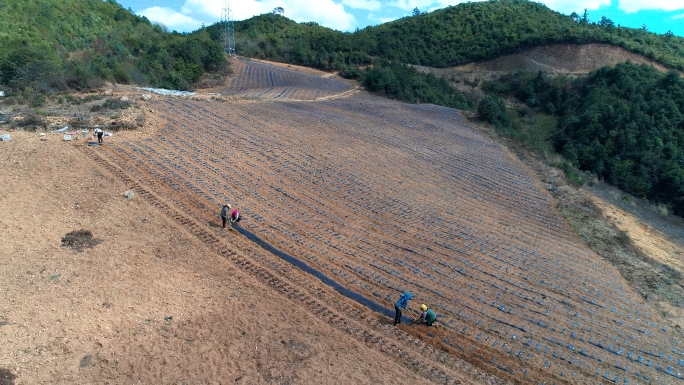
x: 379, y: 196
x: 565, y: 59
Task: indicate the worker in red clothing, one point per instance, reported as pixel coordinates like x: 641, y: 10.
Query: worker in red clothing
x: 235, y: 217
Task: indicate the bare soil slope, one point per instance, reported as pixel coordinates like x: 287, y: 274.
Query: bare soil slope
x: 163, y: 298
x: 563, y: 58
x: 378, y: 195
x: 155, y: 303
x: 568, y: 59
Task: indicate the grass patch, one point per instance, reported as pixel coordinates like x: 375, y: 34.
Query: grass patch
x: 116, y: 104
x: 111, y: 104
x: 74, y: 100
x: 531, y: 129
x: 570, y: 174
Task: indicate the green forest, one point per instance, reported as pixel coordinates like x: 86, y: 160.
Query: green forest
x: 624, y: 124
x: 50, y: 46
x: 447, y: 37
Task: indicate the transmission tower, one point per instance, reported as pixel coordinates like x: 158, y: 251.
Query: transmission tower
x: 227, y: 31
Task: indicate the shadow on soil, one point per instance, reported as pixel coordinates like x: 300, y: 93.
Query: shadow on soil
x: 80, y: 240
x: 6, y: 377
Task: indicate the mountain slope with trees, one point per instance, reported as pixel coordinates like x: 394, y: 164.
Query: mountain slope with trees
x: 624, y: 124
x: 447, y: 37
x: 49, y: 45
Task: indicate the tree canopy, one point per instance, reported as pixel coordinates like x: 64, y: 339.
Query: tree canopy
x: 446, y: 37
x: 624, y: 124
x: 54, y: 45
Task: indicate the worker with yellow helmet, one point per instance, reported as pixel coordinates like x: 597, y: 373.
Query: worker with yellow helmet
x: 427, y: 315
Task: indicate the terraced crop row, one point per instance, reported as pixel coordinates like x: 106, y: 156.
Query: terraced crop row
x: 255, y: 79
x: 384, y: 197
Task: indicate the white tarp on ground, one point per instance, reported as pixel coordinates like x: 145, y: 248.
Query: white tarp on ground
x: 164, y: 91
x: 63, y: 129
x: 5, y: 138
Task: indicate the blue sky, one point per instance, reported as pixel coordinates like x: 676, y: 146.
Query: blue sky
x: 659, y: 16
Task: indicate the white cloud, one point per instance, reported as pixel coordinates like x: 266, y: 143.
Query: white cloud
x: 631, y: 6
x: 327, y: 13
x: 172, y: 19
x: 369, y: 5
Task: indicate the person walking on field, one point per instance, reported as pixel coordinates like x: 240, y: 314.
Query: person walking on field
x: 224, y: 214
x: 428, y: 316
x: 402, y: 303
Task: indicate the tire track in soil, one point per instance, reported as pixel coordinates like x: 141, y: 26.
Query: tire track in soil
x: 413, y: 353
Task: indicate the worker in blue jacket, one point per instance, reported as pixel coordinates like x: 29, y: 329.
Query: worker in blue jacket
x: 402, y: 303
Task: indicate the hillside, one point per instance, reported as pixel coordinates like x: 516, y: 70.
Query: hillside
x: 455, y: 35
x: 165, y: 296
x: 78, y: 44
x: 622, y: 124
x: 378, y: 196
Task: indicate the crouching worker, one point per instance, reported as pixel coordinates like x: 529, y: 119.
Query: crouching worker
x: 402, y: 303
x: 428, y: 316
x: 235, y: 216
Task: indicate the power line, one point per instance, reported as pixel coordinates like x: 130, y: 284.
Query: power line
x: 227, y: 30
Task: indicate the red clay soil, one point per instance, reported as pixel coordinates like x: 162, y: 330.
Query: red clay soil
x: 379, y: 196
x: 383, y: 197
x: 156, y: 302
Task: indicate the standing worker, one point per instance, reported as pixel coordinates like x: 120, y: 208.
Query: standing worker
x: 402, y: 303
x: 224, y: 214
x: 427, y: 315
x: 99, y: 135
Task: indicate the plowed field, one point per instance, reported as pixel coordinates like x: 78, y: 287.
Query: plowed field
x: 379, y: 196
x: 256, y: 80
x: 382, y: 197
